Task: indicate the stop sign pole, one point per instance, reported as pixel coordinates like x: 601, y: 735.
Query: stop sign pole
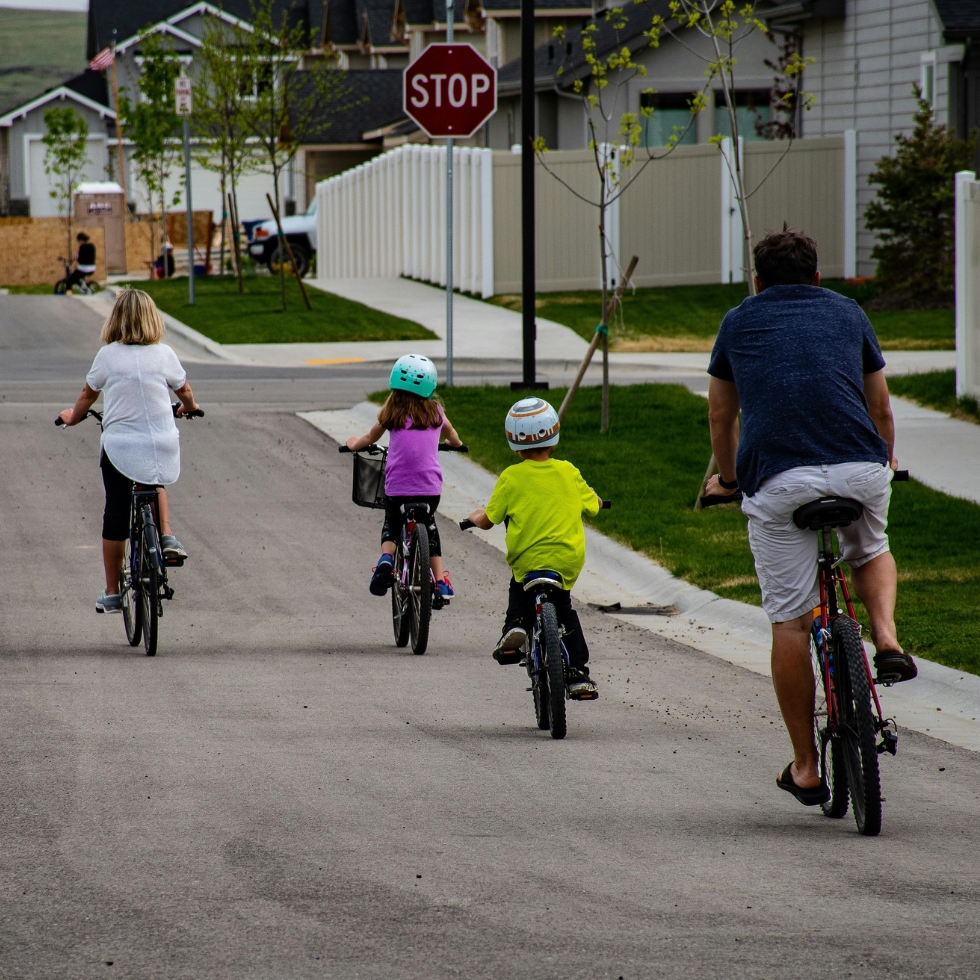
x: 450, y: 24
x: 450, y: 91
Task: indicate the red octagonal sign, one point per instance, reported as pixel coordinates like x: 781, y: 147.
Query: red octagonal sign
x: 450, y: 90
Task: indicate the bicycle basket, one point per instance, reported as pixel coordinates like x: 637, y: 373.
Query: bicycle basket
x: 369, y: 480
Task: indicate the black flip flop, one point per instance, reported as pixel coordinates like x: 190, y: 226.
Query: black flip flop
x: 812, y: 796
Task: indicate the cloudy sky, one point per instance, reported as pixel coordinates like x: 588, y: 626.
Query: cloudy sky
x: 79, y: 6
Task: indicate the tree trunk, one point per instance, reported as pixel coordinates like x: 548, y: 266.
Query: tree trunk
x: 224, y: 219
x: 236, y: 234
x: 604, y: 415
x: 281, y: 244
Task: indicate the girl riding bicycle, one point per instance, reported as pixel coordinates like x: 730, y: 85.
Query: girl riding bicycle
x: 140, y: 442
x: 416, y: 422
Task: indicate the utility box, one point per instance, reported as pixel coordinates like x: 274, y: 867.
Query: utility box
x: 103, y: 205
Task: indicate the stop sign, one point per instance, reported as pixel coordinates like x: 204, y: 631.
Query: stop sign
x: 450, y: 90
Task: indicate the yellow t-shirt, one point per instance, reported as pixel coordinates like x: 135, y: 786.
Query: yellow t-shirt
x: 544, y: 502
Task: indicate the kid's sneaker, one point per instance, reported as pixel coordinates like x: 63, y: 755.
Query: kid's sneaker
x: 444, y: 589
x: 581, y: 687
x: 510, y: 646
x: 383, y: 577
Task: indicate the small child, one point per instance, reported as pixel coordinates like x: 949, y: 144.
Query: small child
x: 542, y: 501
x: 417, y: 422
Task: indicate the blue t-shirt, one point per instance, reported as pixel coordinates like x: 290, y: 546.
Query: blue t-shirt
x: 798, y: 356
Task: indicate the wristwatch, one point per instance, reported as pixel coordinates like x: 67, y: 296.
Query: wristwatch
x: 726, y: 485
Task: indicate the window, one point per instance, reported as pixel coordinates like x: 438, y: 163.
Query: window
x: 671, y: 114
x: 752, y: 112
x: 927, y: 79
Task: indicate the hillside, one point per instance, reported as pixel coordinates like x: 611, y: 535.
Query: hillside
x: 38, y: 49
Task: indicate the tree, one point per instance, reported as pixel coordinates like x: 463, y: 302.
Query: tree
x: 151, y: 121
x: 64, y: 159
x: 285, y: 102
x: 226, y: 73
x: 914, y: 211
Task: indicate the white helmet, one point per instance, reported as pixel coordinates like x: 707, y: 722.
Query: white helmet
x: 531, y: 423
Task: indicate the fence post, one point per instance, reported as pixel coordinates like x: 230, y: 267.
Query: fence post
x: 967, y: 335
x: 486, y: 221
x: 850, y: 203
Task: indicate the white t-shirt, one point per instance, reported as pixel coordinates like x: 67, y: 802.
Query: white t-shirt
x: 139, y: 434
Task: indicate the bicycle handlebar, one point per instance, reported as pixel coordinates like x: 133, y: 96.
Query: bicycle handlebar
x: 466, y: 524
x: 900, y: 476
x: 712, y: 500
x: 606, y: 504
x: 374, y: 449
x: 95, y: 415
x: 198, y: 413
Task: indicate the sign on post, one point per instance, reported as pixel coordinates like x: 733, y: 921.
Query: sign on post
x: 183, y: 95
x: 450, y: 90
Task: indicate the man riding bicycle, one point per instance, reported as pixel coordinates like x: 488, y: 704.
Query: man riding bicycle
x: 804, y: 366
x: 85, y: 262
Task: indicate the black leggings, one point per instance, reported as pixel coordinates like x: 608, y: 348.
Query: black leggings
x: 391, y: 530
x: 118, y: 501
x: 520, y: 612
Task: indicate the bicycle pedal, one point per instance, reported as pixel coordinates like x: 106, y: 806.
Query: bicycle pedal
x: 585, y: 696
x: 888, y: 743
x: 173, y: 562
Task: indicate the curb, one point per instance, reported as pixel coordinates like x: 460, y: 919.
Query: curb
x: 943, y: 703
x: 189, y: 334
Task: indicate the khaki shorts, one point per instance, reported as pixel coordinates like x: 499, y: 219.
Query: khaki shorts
x: 786, y: 556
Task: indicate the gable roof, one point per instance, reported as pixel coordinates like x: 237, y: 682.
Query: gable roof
x: 129, y: 17
x: 961, y: 18
x: 570, y: 57
x: 375, y: 102
x: 87, y: 89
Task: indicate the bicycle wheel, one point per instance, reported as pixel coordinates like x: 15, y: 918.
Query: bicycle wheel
x: 856, y: 725
x: 555, y: 669
x: 400, y: 615
x: 149, y: 587
x: 132, y: 616
x: 420, y: 589
x: 539, y: 690
x: 831, y: 763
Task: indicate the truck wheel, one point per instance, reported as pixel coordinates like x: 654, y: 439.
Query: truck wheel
x: 299, y: 254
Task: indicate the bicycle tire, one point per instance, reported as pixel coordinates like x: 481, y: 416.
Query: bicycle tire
x: 831, y: 761
x: 132, y: 616
x: 539, y: 691
x: 856, y: 726
x: 400, y: 616
x: 555, y: 668
x: 150, y: 588
x: 420, y: 589
x: 60, y: 287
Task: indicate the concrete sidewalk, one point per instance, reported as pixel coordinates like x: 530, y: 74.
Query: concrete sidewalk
x: 942, y: 702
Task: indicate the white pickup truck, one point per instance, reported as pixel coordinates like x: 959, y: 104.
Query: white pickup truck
x: 300, y: 232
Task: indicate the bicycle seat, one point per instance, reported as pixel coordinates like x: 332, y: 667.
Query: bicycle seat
x: 415, y: 510
x: 828, y: 512
x: 542, y: 579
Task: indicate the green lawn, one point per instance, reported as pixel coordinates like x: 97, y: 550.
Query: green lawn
x: 256, y: 318
x: 38, y: 50
x: 45, y: 289
x: 687, y: 317
x: 651, y: 464
x: 936, y: 389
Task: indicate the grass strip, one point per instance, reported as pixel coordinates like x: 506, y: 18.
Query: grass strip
x: 255, y: 317
x: 936, y: 389
x: 686, y: 318
x: 651, y: 464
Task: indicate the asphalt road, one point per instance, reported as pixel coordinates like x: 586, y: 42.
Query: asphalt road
x: 283, y: 793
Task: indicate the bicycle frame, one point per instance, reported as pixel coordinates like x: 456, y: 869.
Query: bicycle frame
x: 535, y: 657
x: 831, y: 576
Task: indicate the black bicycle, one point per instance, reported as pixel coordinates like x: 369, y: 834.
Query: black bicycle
x: 144, y: 583
x: 413, y: 592
x: 545, y: 655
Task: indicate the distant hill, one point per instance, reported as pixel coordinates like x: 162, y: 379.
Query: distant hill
x: 38, y: 49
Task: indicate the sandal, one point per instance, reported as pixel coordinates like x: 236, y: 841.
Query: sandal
x: 810, y: 796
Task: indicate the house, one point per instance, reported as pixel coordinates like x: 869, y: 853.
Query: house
x: 25, y: 189
x: 374, y: 122
x: 867, y: 59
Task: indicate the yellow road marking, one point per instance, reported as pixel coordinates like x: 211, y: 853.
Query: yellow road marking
x: 338, y: 360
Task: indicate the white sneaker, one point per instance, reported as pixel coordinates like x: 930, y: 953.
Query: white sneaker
x: 108, y: 603
x: 510, y: 647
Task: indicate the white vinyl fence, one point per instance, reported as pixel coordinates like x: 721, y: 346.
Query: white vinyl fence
x: 967, y: 285
x: 387, y: 217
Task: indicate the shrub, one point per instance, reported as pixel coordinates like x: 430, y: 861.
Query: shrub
x: 913, y: 212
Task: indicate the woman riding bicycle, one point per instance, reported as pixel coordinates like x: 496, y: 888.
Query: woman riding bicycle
x: 417, y: 423
x: 140, y: 442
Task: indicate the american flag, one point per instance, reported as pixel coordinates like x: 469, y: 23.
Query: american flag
x: 102, y: 60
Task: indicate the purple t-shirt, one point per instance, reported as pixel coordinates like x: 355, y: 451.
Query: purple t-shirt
x: 413, y: 461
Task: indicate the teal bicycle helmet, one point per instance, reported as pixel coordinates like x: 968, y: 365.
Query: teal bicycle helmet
x: 414, y: 373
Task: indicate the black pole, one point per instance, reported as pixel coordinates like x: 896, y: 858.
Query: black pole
x: 527, y: 194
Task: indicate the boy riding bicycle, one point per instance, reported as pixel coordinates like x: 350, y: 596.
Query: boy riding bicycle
x: 541, y: 500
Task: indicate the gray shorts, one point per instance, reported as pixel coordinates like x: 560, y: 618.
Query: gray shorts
x: 786, y: 556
